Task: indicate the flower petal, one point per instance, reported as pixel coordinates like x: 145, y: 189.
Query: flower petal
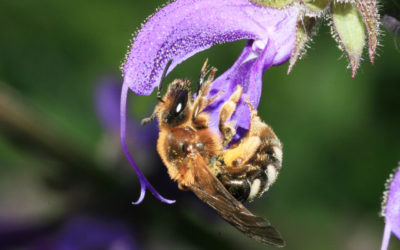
x: 248, y: 71
x: 186, y: 27
x: 391, y: 209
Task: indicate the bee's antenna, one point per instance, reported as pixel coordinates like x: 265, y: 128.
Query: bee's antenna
x: 162, y: 80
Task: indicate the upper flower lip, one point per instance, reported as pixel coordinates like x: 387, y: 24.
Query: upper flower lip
x: 186, y: 27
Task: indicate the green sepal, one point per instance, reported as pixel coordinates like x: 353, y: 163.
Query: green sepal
x: 349, y: 31
x: 278, y: 4
x: 316, y: 7
x: 305, y: 27
x: 370, y: 16
x: 345, y: 1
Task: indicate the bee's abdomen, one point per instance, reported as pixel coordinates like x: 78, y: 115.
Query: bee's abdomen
x: 259, y: 173
x: 268, y: 161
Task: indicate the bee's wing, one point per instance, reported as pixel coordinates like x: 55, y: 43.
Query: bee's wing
x: 211, y: 191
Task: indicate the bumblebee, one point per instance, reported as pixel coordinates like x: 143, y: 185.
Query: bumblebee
x: 201, y: 160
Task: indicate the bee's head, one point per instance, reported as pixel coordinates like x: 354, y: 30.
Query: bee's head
x: 172, y: 110
x: 175, y: 107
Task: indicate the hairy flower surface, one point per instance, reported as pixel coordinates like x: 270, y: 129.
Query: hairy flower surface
x: 391, y: 208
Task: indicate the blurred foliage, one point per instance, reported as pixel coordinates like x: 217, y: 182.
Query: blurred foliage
x: 340, y: 135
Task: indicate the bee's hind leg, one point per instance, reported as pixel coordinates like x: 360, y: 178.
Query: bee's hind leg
x: 227, y: 129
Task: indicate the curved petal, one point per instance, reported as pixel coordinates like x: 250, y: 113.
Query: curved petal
x: 392, y: 209
x: 142, y: 179
x: 186, y: 27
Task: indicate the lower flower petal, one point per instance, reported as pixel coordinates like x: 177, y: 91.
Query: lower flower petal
x: 256, y: 58
x: 247, y: 72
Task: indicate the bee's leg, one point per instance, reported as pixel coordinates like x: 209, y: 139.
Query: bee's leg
x: 228, y: 129
x: 271, y: 144
x: 203, y: 72
x: 150, y: 118
x: 204, y: 86
x: 202, y: 101
x: 253, y: 111
x: 201, y: 119
x: 239, y: 155
x: 204, y: 89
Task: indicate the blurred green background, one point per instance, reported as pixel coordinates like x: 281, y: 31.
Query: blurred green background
x: 341, y: 135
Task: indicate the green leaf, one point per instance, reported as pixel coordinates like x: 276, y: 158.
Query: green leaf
x: 349, y: 31
x: 279, y: 4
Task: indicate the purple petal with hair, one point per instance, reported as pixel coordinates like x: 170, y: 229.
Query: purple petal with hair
x: 186, y: 27
x: 391, y: 209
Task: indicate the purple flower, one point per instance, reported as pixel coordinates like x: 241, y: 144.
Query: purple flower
x: 186, y: 27
x: 391, y: 208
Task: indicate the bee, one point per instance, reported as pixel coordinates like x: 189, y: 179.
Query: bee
x: 202, y: 161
